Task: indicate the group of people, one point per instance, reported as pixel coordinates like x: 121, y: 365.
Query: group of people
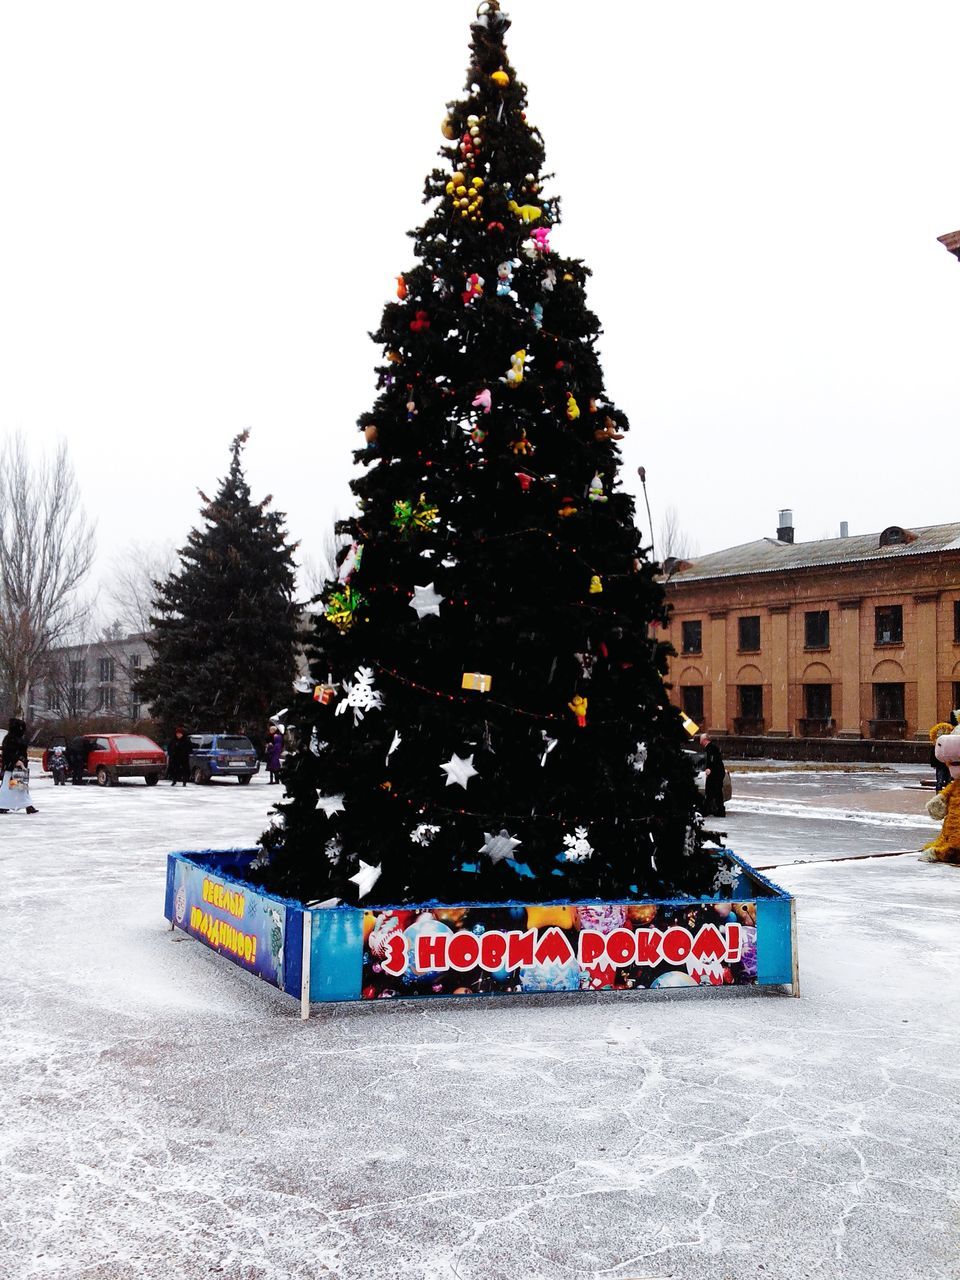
x: 179, y: 747
x: 71, y: 760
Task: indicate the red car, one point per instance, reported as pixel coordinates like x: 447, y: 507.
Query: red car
x: 121, y: 755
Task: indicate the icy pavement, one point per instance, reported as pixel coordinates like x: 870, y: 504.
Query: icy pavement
x: 787, y: 815
x: 164, y: 1115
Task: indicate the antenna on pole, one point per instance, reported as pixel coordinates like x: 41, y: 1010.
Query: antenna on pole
x: 642, y: 473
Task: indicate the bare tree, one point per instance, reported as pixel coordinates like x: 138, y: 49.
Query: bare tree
x: 318, y: 569
x: 46, y: 549
x: 674, y: 542
x: 132, y: 581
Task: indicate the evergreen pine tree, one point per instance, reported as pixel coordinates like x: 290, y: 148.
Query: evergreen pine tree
x: 500, y: 727
x: 225, y: 621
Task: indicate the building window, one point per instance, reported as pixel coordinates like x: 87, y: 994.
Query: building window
x: 78, y: 672
x: 889, y: 624
x: 749, y: 634
x: 956, y: 698
x: 135, y: 661
x: 816, y: 629
x: 751, y: 701
x: 692, y: 698
x: 692, y: 637
x: 53, y: 698
x: 888, y: 701
x: 107, y: 670
x: 956, y: 622
x: 106, y: 698
x: 818, y: 701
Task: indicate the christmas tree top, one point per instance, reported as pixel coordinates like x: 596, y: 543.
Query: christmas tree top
x: 489, y: 720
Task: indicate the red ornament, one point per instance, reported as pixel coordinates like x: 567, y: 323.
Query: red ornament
x: 495, y: 226
x: 420, y: 321
x: 525, y: 480
x: 401, y: 288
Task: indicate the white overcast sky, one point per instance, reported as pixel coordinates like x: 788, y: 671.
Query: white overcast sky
x: 204, y: 206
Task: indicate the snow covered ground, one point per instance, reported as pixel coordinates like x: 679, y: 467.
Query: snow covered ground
x: 164, y: 1115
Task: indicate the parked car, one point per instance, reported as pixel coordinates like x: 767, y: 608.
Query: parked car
x: 121, y: 755
x: 696, y: 759
x: 222, y: 755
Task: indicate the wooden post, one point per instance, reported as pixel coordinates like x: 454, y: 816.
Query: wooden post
x: 305, y: 965
x: 794, y: 953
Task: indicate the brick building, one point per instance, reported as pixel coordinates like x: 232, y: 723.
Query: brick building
x: 846, y: 638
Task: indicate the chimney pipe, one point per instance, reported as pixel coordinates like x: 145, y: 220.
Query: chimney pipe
x: 844, y: 529
x: 785, y: 531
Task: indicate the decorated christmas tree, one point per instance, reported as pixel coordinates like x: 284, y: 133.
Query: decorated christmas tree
x: 489, y: 720
x: 225, y: 620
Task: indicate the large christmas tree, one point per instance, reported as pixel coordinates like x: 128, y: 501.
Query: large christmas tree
x: 225, y: 621
x: 490, y: 720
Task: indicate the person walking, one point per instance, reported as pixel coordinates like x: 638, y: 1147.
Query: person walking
x: 274, y: 752
x: 77, y: 752
x: 15, y: 779
x: 716, y: 772
x: 178, y: 757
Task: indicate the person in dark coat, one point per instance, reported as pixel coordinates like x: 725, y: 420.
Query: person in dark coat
x: 13, y: 756
x: 77, y: 753
x: 716, y: 772
x: 274, y: 752
x: 178, y: 757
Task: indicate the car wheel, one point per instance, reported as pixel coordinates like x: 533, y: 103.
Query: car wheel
x: 103, y: 776
x: 152, y: 779
x: 199, y: 777
x: 244, y: 779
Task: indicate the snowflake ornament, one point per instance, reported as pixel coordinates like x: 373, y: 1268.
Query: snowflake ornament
x: 360, y: 695
x: 424, y: 833
x: 578, y: 847
x: 725, y: 878
x: 333, y: 849
x: 639, y: 757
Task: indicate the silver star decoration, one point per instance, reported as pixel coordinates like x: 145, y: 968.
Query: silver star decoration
x: 397, y: 739
x: 365, y: 878
x: 459, y: 770
x: 500, y: 846
x: 426, y: 600
x: 330, y: 804
x: 548, y: 745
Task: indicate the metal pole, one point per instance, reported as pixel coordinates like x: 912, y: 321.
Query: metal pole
x: 794, y: 953
x: 305, y: 965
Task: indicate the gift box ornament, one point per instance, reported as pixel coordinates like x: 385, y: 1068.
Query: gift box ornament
x: 324, y: 694
x: 474, y: 680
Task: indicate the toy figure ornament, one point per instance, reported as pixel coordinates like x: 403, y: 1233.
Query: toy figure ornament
x: 945, y: 805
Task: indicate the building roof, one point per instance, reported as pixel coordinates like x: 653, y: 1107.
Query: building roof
x: 767, y: 555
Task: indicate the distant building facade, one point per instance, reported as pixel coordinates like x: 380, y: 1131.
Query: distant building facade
x: 95, y: 679
x: 851, y: 637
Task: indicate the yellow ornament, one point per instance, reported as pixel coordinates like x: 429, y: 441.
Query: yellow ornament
x: 500, y: 77
x: 551, y: 917
x: 578, y: 705
x: 573, y: 409
x: 447, y: 129
x: 596, y: 586
x: 526, y: 212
